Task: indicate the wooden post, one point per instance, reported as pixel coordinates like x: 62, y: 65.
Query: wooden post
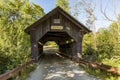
x: 74, y: 50
x: 34, y: 45
x: 61, y: 48
x: 40, y: 47
x: 77, y: 48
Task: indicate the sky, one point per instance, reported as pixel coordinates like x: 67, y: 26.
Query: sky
x: 101, y: 21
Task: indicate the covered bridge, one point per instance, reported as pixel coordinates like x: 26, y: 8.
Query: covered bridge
x: 60, y: 27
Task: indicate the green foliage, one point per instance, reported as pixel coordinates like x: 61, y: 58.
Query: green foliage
x: 26, y: 72
x: 101, y: 74
x: 114, y: 61
x: 107, y: 43
x: 88, y: 44
x: 51, y: 43
x: 15, y: 16
x: 63, y: 4
x: 88, y: 47
x: 4, y: 61
x: 108, y: 50
x: 105, y: 46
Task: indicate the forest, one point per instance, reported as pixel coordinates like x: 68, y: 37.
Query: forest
x: 102, y: 45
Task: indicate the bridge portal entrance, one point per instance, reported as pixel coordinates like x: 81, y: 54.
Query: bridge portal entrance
x: 60, y: 27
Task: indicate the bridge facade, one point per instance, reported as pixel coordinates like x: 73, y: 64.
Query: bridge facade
x: 60, y: 27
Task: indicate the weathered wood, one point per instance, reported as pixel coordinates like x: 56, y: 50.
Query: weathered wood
x: 34, y: 46
x: 60, y: 27
x: 40, y: 48
x: 65, y: 48
x: 74, y: 50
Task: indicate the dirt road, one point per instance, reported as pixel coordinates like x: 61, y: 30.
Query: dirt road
x: 55, y: 67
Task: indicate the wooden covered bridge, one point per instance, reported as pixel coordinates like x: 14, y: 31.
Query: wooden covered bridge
x: 60, y: 27
x: 68, y: 33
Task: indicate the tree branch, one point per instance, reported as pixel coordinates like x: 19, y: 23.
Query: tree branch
x: 104, y: 12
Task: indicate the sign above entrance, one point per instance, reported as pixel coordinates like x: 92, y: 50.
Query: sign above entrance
x: 56, y: 21
x: 57, y: 27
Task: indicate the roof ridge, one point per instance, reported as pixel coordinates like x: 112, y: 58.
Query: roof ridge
x: 58, y: 8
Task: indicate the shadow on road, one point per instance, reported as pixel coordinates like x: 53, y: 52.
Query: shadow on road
x: 55, y: 67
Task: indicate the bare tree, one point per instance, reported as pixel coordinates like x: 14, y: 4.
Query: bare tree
x: 89, y: 8
x: 117, y: 20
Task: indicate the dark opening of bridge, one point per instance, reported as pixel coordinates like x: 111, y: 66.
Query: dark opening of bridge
x: 60, y: 27
x: 62, y: 39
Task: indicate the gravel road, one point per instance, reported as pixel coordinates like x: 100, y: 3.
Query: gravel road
x: 56, y: 67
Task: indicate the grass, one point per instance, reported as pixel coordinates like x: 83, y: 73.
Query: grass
x: 103, y: 75
x: 112, y: 62
x: 25, y: 73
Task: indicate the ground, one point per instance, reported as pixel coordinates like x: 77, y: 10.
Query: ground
x: 56, y: 67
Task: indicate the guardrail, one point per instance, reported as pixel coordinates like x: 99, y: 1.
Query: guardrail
x: 107, y: 68
x: 101, y: 66
x: 11, y: 73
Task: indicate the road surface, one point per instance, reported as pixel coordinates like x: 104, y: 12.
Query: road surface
x: 56, y: 67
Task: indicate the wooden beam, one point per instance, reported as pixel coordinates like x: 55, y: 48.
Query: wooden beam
x: 101, y: 66
x: 13, y: 72
x: 34, y: 45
